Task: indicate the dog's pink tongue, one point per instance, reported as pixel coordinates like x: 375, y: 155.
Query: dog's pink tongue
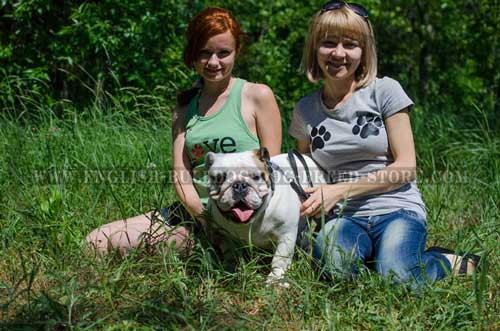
x: 243, y: 215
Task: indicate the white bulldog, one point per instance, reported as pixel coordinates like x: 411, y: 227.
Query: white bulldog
x: 251, y: 203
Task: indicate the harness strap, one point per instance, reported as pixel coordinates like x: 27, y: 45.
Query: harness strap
x: 292, y: 153
x: 295, y: 183
x: 270, y: 168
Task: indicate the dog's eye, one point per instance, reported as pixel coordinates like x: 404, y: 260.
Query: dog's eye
x: 260, y: 176
x: 218, y: 179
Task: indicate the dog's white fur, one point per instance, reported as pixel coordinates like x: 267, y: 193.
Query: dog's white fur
x: 274, y: 223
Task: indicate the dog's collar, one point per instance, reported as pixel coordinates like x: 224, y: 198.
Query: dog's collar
x: 271, y: 168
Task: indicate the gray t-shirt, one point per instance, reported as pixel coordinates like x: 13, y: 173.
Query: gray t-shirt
x: 351, y: 141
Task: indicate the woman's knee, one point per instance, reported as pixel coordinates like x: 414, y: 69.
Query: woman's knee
x: 99, y: 240
x: 177, y: 238
x: 345, y: 235
x: 340, y: 246
x: 400, y: 251
x: 397, y: 269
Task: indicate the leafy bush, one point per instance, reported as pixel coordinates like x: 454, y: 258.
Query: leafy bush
x: 81, y: 47
x: 445, y: 53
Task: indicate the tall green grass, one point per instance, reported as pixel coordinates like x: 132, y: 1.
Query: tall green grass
x: 48, y: 282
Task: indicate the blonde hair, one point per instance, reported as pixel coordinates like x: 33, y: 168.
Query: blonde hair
x: 341, y: 22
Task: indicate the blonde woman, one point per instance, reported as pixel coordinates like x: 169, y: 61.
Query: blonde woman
x: 357, y: 128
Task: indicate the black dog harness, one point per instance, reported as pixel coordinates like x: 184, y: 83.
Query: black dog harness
x: 295, y: 181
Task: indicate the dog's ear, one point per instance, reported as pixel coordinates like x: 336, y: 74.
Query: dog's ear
x: 264, y: 155
x: 209, y: 160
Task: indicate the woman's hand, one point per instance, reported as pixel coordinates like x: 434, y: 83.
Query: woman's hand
x: 324, y: 197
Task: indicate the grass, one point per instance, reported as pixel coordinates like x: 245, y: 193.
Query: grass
x: 62, y: 176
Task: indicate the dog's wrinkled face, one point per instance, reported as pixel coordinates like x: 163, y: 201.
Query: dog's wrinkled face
x: 238, y: 182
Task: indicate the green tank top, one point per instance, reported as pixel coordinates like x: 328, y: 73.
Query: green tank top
x: 222, y: 132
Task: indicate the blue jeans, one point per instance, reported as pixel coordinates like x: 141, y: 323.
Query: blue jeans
x: 394, y: 243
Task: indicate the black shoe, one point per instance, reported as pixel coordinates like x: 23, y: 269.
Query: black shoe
x: 466, y: 258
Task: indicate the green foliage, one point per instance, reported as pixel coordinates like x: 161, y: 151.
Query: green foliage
x: 69, y: 49
x: 445, y: 53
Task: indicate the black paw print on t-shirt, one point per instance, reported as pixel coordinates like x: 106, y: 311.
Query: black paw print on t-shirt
x: 319, y: 136
x: 367, y: 125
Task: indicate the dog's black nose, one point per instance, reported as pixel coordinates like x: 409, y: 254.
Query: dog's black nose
x: 240, y: 187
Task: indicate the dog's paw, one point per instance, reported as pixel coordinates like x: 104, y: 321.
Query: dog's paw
x: 277, y: 279
x: 280, y: 283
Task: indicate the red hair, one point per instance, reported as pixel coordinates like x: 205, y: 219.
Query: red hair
x: 209, y: 22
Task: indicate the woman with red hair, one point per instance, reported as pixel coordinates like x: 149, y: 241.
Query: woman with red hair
x: 221, y: 113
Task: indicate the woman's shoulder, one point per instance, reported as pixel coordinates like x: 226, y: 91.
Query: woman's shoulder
x: 309, y: 100
x: 387, y: 86
x: 258, y: 94
x: 257, y: 91
x: 390, y: 96
x: 386, y: 82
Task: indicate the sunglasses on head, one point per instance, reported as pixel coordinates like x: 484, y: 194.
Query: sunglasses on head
x: 334, y: 5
